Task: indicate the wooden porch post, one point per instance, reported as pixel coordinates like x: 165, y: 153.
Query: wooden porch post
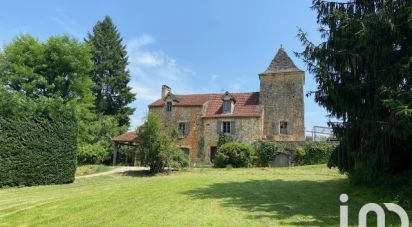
x: 116, y: 149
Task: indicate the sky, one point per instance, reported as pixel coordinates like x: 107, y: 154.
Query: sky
x: 192, y: 46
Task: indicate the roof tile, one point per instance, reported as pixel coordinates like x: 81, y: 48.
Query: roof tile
x: 281, y: 63
x: 247, y: 104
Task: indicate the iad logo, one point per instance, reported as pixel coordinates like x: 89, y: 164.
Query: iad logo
x: 372, y: 207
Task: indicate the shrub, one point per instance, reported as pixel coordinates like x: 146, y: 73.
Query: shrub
x: 299, y: 155
x: 38, y: 142
x: 266, y: 153
x: 92, y: 154
x: 235, y: 154
x: 178, y: 159
x: 158, y: 147
x: 223, y: 139
x: 315, y: 153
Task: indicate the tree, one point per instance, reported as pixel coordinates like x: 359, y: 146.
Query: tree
x: 59, y: 67
x: 110, y: 75
x: 363, y: 69
x: 158, y: 147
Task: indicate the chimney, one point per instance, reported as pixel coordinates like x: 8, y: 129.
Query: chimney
x: 165, y: 91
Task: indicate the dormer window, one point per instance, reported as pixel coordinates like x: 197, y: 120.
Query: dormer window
x: 169, y: 106
x: 227, y: 106
x: 228, y: 103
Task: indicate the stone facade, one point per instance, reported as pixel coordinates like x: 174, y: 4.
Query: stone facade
x: 248, y: 130
x: 190, y: 115
x: 281, y: 95
x: 275, y: 113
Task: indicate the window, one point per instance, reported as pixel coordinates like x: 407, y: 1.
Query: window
x: 185, y: 150
x: 168, y: 106
x: 226, y: 127
x: 227, y: 106
x: 283, y: 127
x: 182, y: 128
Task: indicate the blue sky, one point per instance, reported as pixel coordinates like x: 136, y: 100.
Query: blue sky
x: 193, y: 46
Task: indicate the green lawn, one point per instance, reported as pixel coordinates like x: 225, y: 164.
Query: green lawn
x: 305, y: 196
x: 90, y: 169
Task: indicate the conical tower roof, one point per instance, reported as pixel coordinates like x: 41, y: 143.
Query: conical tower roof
x: 281, y: 63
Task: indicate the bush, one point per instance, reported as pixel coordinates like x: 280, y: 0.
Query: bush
x: 158, y: 147
x: 179, y: 159
x: 314, y: 153
x: 223, y: 139
x: 92, y: 154
x: 235, y: 154
x: 266, y: 153
x: 38, y: 142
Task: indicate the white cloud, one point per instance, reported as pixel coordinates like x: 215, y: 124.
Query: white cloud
x: 150, y: 69
x: 140, y: 41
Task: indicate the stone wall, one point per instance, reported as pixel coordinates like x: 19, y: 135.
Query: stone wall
x: 247, y: 130
x: 281, y: 94
x: 192, y: 115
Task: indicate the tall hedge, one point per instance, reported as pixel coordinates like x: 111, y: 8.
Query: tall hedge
x: 38, y: 142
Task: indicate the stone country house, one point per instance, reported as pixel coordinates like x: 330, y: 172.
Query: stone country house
x: 275, y: 113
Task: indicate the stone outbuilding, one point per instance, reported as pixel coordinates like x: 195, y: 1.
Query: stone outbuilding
x: 275, y: 113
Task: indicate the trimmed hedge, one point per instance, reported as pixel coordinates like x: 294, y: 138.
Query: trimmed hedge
x: 315, y: 153
x: 236, y: 155
x: 38, y: 143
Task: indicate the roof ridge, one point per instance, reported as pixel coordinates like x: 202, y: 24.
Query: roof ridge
x: 251, y: 92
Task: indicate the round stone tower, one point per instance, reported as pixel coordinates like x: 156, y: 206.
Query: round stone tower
x: 281, y: 96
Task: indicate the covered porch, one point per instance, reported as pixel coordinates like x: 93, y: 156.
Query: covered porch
x: 125, y: 139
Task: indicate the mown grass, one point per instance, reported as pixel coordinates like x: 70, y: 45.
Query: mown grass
x: 296, y: 196
x: 90, y: 169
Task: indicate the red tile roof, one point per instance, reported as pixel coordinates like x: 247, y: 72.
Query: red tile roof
x: 125, y: 137
x: 247, y: 104
x: 186, y: 100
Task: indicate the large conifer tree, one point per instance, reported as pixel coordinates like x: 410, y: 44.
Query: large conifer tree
x: 363, y: 69
x: 110, y: 73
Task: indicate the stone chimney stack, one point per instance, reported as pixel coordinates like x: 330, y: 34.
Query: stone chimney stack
x: 165, y: 91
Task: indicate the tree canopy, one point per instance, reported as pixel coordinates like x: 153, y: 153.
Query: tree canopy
x: 59, y: 67
x: 110, y: 73
x: 363, y: 68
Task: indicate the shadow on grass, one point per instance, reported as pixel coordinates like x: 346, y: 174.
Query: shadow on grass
x: 138, y: 173
x: 145, y: 173
x: 301, y: 203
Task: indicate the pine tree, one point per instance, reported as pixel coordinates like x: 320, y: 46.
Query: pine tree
x: 110, y: 73
x: 363, y: 69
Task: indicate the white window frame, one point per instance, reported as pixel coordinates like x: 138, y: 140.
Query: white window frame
x: 226, y: 126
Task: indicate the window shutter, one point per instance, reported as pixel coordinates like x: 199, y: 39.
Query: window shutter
x: 218, y: 126
x: 187, y: 129
x: 275, y: 128
x: 232, y: 127
x: 290, y: 127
